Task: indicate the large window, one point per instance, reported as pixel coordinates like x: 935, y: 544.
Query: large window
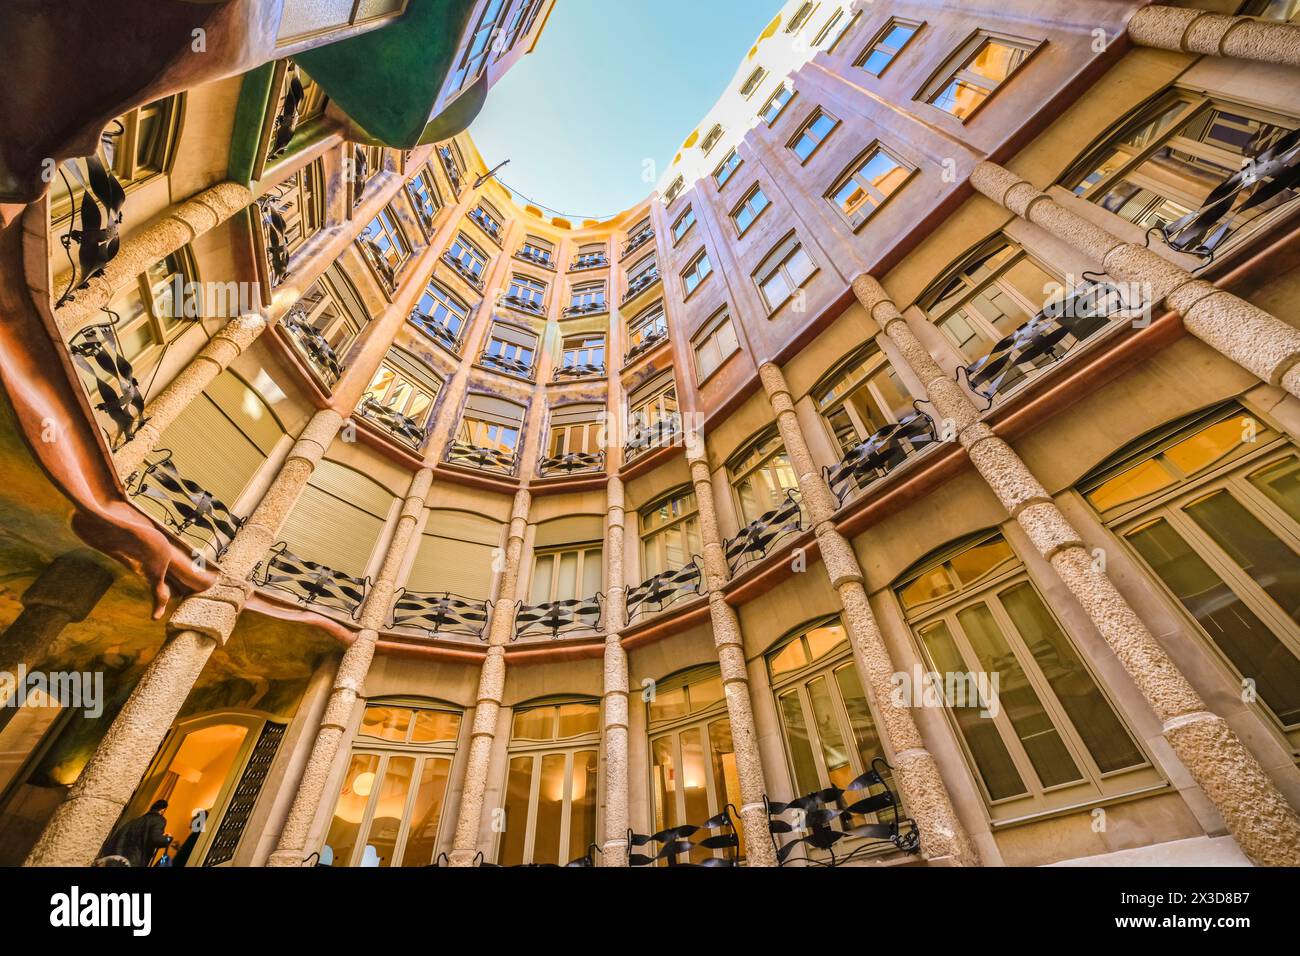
x: 439, y: 306
x: 979, y: 69
x: 784, y: 272
x: 646, y: 327
x: 468, y: 257
x: 479, y: 46
x: 511, y: 349
x: 699, y: 270
x: 1212, y: 508
x: 670, y: 534
x: 750, y: 208
x: 693, y: 775
x: 776, y: 104
x: 552, y: 784
x: 588, y: 298
x: 390, y: 809
x: 714, y: 344
x: 570, y: 573
x: 861, y: 398
x: 683, y: 224
x: 654, y: 405
x: 147, y: 311
x: 585, y: 351
x: 872, y: 179
x: 332, y: 308
x: 886, y: 45
x: 812, y: 134
x: 539, y: 251
x: 577, y: 430
x: 727, y: 169
x: 386, y: 247
x: 491, y: 423
x: 761, y: 475
x: 1049, y: 737
x: 423, y: 191
x: 527, y: 293
x: 402, y: 386
x: 301, y: 202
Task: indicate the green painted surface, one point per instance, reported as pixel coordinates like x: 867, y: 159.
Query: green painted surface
x: 250, y: 114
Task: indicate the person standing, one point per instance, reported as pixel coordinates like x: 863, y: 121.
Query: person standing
x: 137, y: 840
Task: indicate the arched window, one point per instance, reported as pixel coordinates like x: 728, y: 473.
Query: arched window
x: 761, y: 475
x: 860, y: 397
x: 670, y: 533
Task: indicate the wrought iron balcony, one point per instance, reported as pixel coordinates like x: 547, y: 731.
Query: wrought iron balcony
x: 649, y: 341
x: 108, y: 376
x: 311, y: 583
x: 543, y: 259
x: 484, y: 459
x: 440, y: 613
x: 288, y: 116
x: 451, y: 169
x: 638, y: 240
x: 461, y: 270
x: 577, y: 372
x: 519, y: 303
x: 574, y: 463
x: 421, y: 213
x: 405, y: 429
x: 592, y: 260
x: 436, y: 330
x: 879, y: 455
x: 587, y: 308
x: 486, y: 223
x: 100, y: 208
x: 854, y: 813
x: 1264, y: 178
x: 1043, y: 340
x: 640, y: 284
x: 676, y: 841
x: 386, y: 271
x: 558, y: 617
x: 657, y: 434
x: 663, y: 590
x: 509, y: 366
x: 276, y: 231
x: 757, y: 538
x: 190, y: 510
x: 313, y: 346
x: 360, y: 174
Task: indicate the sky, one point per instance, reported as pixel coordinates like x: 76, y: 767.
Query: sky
x: 612, y: 84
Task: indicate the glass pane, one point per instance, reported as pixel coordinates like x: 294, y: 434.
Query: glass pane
x: 726, y: 779
x: 550, y: 811
x: 582, y: 816
x: 933, y: 584
x: 668, y: 705
x: 422, y: 840
x: 695, y: 784
x: 705, y: 693
x: 566, y: 585
x: 535, y: 724
x: 664, y: 783
x: 519, y: 784
x: 823, y: 640
x: 860, y: 721
x: 1138, y: 482
x: 435, y: 725
x: 806, y: 779
x: 579, y: 719
x: 543, y: 570
x: 834, y: 753
x: 389, y: 810
x: 593, y: 573
x: 386, y: 723
x: 790, y: 658
x: 1272, y: 565
x: 973, y: 563
x: 1106, y: 738
x: 1206, y: 447
x: 1281, y: 482
x: 358, y: 784
x: 1254, y: 650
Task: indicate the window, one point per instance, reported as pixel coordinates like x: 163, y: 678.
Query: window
x: 386, y: 247
x: 887, y: 44
x: 389, y: 810
x: 1168, y: 160
x: 714, y: 344
x: 479, y: 46
x: 300, y: 201
x: 711, y: 140
x: 871, y: 180
x: 830, y: 35
x: 689, y: 729
x: 963, y: 89
x: 670, y: 535
x: 442, y: 309
x: 526, y: 293
x: 1283, y: 10
x: 776, y: 105
x: 552, y: 784
x: 491, y: 423
x: 511, y: 349
x: 539, y: 251
x: 366, y: 162
x: 653, y: 418
x: 1000, y: 289
x: 487, y: 219
x: 728, y: 168
x: 648, y: 327
x: 149, y: 313
x: 801, y: 16
x: 1211, y: 506
x: 468, y: 257
x: 861, y: 399
x: 750, y: 208
x: 670, y: 197
x: 588, y: 298
x: 423, y: 191
x: 404, y: 386
x: 591, y: 255
x: 784, y: 272
x: 572, y: 573
x: 577, y: 430
x: 332, y: 308
x: 753, y: 82
x: 520, y: 24
x: 1049, y: 738
x: 585, y: 351
x: 685, y: 222
x: 760, y: 476
x: 699, y: 270
x: 814, y: 132
x: 642, y: 276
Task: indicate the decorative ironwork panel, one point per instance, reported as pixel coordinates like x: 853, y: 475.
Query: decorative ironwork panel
x: 436, y: 330
x: 244, y: 799
x: 387, y: 273
x: 650, y: 340
x: 638, y: 285
x: 109, y: 377
x: 591, y: 308
x: 576, y: 372
x: 451, y: 169
x: 311, y: 583
x: 668, y: 846
x: 288, y: 115
x: 637, y: 241
x: 315, y: 348
x: 523, y: 305
x: 394, y: 422
x: 664, y: 589
x: 558, y: 617
x: 880, y: 454
x: 536, y: 258
x: 441, y: 613
x: 593, y: 260
x: 657, y: 434
x: 575, y: 463
x: 191, y: 510
x: 756, y: 539
x: 508, y: 365
x: 460, y: 270
x: 484, y: 459
x: 99, y: 238
x: 276, y: 231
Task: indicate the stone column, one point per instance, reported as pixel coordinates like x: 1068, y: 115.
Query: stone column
x: 943, y: 838
x: 197, y: 627
x: 215, y: 357
x: 1215, y: 34
x: 350, y: 680
x: 614, y: 850
x: 65, y: 593
x: 1263, y: 345
x: 177, y: 228
x: 1255, y: 811
x: 735, y: 676
x: 491, y: 688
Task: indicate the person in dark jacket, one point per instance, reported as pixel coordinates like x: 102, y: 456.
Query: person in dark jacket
x: 138, y: 840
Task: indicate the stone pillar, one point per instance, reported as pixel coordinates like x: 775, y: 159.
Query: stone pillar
x: 943, y: 838
x: 197, y: 627
x: 177, y: 228
x: 615, y: 849
x: 491, y: 688
x: 1260, y: 343
x: 1255, y: 811
x: 1215, y: 34
x: 215, y: 357
x: 735, y: 675
x: 349, y: 681
x: 65, y: 593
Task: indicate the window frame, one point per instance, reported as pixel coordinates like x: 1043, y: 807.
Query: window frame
x: 786, y: 88
x: 766, y: 271
x: 655, y: 538
x: 876, y: 44
x: 709, y: 333
x: 818, y: 112
x: 876, y: 148
x: 699, y: 261
x: 746, y: 205
x: 688, y: 212
x: 956, y: 69
x: 727, y: 169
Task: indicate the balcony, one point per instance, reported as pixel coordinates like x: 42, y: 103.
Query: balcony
x: 880, y: 454
x: 384, y: 269
x: 635, y: 242
x: 508, y: 366
x: 441, y: 613
x: 437, y: 331
x: 312, y: 346
x: 107, y: 375
x: 756, y: 540
x: 452, y: 170
x: 287, y: 116
x: 485, y: 222
x: 649, y: 340
x: 592, y: 260
x: 576, y: 373
x: 311, y: 584
x: 657, y: 434
x: 663, y: 590
x: 406, y: 430
x: 492, y: 460
x: 558, y: 618
x: 187, y: 509
x: 276, y: 232
x: 100, y: 208
x: 574, y: 463
x: 458, y: 267
x: 587, y: 308
x: 640, y: 284
x: 537, y: 258
x: 521, y: 304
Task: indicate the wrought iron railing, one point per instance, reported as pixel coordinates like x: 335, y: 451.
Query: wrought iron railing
x: 667, y: 846
x: 592, y: 260
x: 879, y: 455
x: 635, y: 242
x: 757, y: 538
x: 276, y: 231
x: 360, y: 174
x: 313, y: 346
x: 425, y: 217
x: 574, y: 463
x: 463, y: 271
x: 108, y: 375
x: 437, y: 331
x: 311, y: 583
x: 640, y: 284
x: 190, y: 510
x: 587, y: 308
x: 510, y: 366
x: 441, y: 613
x: 543, y: 259
x: 394, y: 422
x: 287, y: 118
x: 531, y: 306
x: 558, y: 617
x: 660, y: 433
x: 451, y: 169
x: 827, y: 817
x: 100, y: 208
x: 575, y: 372
x: 386, y: 270
x: 649, y: 340
x: 664, y: 590
x: 484, y: 459
x: 485, y: 223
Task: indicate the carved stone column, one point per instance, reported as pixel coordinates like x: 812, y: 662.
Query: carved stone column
x: 491, y: 688
x: 1261, y: 820
x: 1215, y: 34
x: 615, y: 711
x: 197, y: 627
x: 919, y: 783
x: 350, y: 679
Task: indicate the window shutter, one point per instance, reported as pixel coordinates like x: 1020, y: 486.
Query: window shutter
x: 456, y: 555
